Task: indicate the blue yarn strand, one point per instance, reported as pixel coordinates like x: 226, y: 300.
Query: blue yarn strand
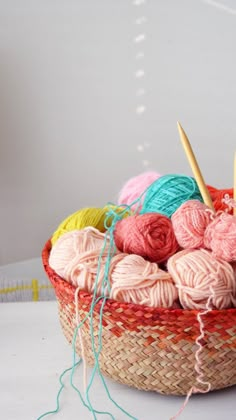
x: 59, y: 392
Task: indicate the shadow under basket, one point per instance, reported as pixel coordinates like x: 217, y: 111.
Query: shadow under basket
x: 152, y: 349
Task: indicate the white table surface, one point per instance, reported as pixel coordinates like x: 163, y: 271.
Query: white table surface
x: 33, y: 354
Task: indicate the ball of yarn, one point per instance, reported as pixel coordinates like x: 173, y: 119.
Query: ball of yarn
x: 202, y: 280
x: 189, y: 223
x: 150, y: 235
x: 91, y: 276
x: 135, y: 186
x: 218, y: 195
x: 75, y: 248
x: 167, y: 194
x: 220, y: 237
x: 135, y: 280
x: 93, y: 216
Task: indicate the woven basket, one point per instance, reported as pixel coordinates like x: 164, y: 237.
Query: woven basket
x: 150, y: 348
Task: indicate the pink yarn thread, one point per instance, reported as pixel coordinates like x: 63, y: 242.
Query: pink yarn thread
x: 196, y: 273
x: 189, y: 223
x: 135, y: 186
x: 198, y: 364
x: 131, y: 278
x: 150, y: 235
x: 220, y: 237
x: 80, y: 334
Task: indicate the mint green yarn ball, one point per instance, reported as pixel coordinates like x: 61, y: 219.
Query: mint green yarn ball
x: 167, y: 193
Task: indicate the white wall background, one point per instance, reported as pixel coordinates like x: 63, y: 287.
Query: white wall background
x: 68, y: 127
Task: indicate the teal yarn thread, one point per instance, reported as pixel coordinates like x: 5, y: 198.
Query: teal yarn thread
x: 59, y: 392
x: 167, y: 193
x: 106, y: 283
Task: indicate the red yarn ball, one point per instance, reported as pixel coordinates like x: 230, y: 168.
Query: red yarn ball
x: 150, y: 235
x: 218, y: 195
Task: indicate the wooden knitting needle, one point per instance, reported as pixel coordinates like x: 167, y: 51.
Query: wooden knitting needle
x: 235, y: 182
x: 195, y: 168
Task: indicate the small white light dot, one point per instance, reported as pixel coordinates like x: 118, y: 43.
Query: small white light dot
x: 140, y: 148
x: 140, y: 38
x: 139, y: 73
x: 138, y: 2
x: 140, y: 109
x: 141, y: 20
x: 146, y: 163
x: 140, y: 92
x: 139, y: 55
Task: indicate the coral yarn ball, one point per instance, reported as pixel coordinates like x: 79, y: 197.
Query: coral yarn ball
x: 167, y: 194
x: 150, y: 235
x: 220, y: 237
x: 135, y: 187
x: 189, y: 223
x: 202, y: 280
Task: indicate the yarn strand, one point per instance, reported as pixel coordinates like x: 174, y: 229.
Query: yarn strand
x: 80, y: 333
x: 105, y: 282
x: 89, y: 407
x: 59, y: 392
x: 77, y: 332
x: 198, y: 363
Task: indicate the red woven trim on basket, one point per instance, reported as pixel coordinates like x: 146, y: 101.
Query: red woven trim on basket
x: 182, y: 323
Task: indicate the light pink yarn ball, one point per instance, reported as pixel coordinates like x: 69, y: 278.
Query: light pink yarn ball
x: 135, y: 280
x: 135, y: 186
x: 220, y: 237
x: 76, y: 250
x: 89, y: 278
x: 189, y: 223
x: 202, y: 280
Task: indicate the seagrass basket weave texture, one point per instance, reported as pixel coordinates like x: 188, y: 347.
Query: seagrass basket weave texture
x: 151, y: 348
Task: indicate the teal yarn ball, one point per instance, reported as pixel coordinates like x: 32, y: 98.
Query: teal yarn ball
x: 167, y: 193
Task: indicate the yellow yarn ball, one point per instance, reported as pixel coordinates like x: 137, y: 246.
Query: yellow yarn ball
x: 93, y: 216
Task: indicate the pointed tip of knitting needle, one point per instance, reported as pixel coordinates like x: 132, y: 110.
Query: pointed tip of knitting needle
x: 183, y: 136
x: 178, y: 124
x: 194, y: 166
x: 180, y: 128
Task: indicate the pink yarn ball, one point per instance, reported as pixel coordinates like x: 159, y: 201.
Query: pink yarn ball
x: 135, y: 186
x: 150, y: 235
x: 135, y: 280
x: 189, y: 223
x: 202, y: 280
x: 88, y: 277
x: 75, y: 253
x: 220, y: 237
